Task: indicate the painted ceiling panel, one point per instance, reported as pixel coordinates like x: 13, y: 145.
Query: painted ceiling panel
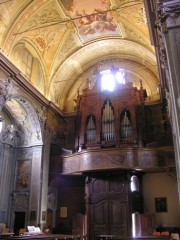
x: 92, y: 18
x: 68, y: 38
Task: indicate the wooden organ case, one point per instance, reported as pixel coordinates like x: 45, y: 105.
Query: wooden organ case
x: 110, y: 119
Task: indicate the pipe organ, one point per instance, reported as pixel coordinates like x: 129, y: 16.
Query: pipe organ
x: 90, y: 129
x: 125, y: 125
x: 107, y: 122
x: 107, y: 119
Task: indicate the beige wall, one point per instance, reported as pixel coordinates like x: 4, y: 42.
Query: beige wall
x: 162, y: 185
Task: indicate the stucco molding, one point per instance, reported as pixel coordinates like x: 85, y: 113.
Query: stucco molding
x: 7, y: 89
x: 20, y: 200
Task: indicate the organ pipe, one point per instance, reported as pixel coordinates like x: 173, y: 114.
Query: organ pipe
x: 90, y: 130
x: 126, y: 128
x: 107, y: 122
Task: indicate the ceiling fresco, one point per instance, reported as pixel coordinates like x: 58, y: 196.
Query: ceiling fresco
x: 70, y: 38
x: 92, y: 18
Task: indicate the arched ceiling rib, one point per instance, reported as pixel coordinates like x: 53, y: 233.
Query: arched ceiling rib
x: 134, y: 58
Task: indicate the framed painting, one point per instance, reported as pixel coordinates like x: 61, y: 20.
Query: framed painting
x: 161, y: 204
x: 22, y: 174
x: 63, y: 212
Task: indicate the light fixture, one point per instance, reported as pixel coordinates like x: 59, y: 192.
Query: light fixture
x: 1, y: 123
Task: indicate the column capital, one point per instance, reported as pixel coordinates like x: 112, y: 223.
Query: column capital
x: 171, y: 13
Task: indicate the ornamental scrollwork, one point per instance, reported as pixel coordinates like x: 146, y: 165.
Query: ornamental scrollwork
x: 161, y: 28
x: 164, y: 15
x: 171, y: 12
x: 167, y: 106
x: 7, y: 90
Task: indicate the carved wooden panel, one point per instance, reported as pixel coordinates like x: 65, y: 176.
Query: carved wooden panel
x: 99, y: 219
x: 117, y: 158
x: 118, y: 218
x: 108, y: 206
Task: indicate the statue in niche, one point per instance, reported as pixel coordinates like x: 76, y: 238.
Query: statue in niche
x: 8, y: 135
x: 51, y: 201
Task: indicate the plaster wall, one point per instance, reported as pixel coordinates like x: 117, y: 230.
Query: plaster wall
x: 157, y: 185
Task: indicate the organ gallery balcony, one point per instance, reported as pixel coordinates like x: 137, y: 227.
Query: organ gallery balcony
x: 135, y: 158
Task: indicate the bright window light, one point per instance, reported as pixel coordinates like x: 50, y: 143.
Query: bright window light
x: 120, y: 77
x: 133, y: 225
x: 134, y: 184
x: 136, y: 222
x: 107, y: 82
x: 109, y: 79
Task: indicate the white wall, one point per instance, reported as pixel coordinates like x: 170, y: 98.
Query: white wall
x: 162, y: 185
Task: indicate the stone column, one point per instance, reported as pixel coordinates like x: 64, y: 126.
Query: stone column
x: 168, y: 29
x: 45, y: 174
x: 35, y: 188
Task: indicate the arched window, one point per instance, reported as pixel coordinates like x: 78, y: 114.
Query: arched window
x: 125, y: 124
x: 29, y: 65
x: 91, y: 129
x: 27, y: 60
x: 24, y: 60
x: 107, y: 122
x: 39, y: 76
x: 134, y: 184
x: 137, y: 199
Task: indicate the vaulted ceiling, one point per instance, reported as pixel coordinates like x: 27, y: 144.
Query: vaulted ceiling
x: 73, y: 39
